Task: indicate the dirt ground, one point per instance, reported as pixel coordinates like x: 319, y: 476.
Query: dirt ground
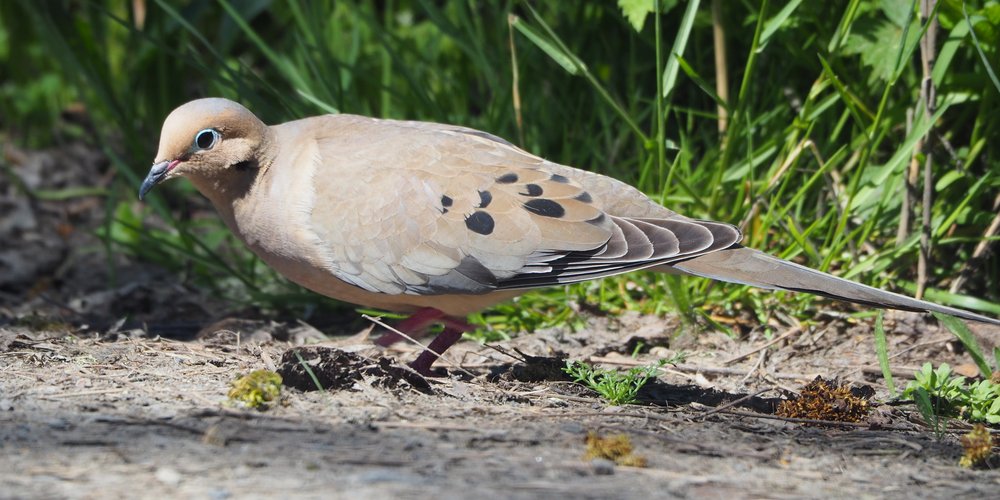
x: 96, y: 406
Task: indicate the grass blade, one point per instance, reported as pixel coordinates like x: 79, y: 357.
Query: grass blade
x: 958, y: 328
x: 680, y: 43
x: 882, y: 351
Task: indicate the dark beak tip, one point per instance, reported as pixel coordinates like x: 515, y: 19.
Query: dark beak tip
x: 156, y: 174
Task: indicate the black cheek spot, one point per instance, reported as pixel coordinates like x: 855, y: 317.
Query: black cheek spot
x: 446, y: 201
x: 561, y: 179
x: 584, y: 197
x: 243, y: 166
x: 480, y: 222
x: 545, y: 208
x: 485, y: 197
x: 508, y: 178
x: 532, y: 190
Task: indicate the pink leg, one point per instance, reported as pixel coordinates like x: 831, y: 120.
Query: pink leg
x: 414, y: 326
x: 438, y: 346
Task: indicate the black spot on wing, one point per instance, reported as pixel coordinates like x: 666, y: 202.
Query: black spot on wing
x: 545, y: 208
x: 531, y: 190
x: 484, y: 199
x: 584, y: 197
x: 480, y: 222
x: 562, y: 179
x: 508, y: 178
x: 446, y: 201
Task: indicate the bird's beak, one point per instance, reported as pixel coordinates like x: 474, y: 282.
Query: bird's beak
x: 156, y: 174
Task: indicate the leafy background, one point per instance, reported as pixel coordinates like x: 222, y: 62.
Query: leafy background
x: 824, y: 120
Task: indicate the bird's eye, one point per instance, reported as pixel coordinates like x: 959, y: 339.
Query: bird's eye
x: 205, y: 139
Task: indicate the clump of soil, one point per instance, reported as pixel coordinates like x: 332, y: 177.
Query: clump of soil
x: 335, y: 369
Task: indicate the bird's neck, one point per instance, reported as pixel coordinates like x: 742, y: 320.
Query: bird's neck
x: 229, y: 188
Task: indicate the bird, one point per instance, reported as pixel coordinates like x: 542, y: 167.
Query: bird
x: 440, y: 221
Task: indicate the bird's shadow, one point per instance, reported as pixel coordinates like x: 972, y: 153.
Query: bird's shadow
x: 654, y: 392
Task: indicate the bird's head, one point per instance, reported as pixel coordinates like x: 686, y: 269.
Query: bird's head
x: 208, y: 141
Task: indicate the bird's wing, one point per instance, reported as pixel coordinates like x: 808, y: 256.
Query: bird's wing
x: 427, y: 209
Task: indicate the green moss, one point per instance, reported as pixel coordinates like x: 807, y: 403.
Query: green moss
x: 256, y: 390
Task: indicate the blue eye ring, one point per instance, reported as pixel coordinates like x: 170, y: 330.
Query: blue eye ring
x: 206, y: 139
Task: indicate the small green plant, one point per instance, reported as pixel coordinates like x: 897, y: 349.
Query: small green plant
x: 984, y: 402
x: 618, y: 388
x: 939, y: 392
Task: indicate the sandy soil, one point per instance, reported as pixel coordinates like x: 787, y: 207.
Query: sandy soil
x: 95, y: 406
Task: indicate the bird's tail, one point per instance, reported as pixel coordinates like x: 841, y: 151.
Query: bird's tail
x: 738, y: 264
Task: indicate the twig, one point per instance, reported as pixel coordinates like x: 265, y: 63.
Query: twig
x: 698, y: 369
x: 898, y: 372
x: 731, y: 404
x: 756, y: 366
x: 721, y: 71
x: 431, y: 426
x: 790, y: 332
x: 448, y: 361
x: 928, y: 55
x: 794, y: 419
x: 92, y: 392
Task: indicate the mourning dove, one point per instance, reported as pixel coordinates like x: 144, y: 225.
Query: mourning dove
x: 442, y: 221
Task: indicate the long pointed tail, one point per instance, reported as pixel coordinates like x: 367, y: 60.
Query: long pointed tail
x: 747, y: 266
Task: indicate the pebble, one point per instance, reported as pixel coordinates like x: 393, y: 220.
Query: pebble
x: 603, y: 466
x: 168, y: 476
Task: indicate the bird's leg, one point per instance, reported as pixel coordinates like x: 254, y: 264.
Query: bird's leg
x: 415, y: 326
x: 453, y: 330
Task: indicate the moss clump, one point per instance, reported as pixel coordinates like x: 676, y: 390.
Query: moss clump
x: 256, y: 390
x: 616, y: 447
x: 978, y: 445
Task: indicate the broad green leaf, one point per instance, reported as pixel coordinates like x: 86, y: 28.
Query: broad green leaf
x: 637, y: 10
x: 877, y: 42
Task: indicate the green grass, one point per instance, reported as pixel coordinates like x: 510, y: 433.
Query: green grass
x: 811, y: 165
x: 617, y: 388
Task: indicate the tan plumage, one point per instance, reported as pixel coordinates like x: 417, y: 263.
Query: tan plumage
x: 406, y: 216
